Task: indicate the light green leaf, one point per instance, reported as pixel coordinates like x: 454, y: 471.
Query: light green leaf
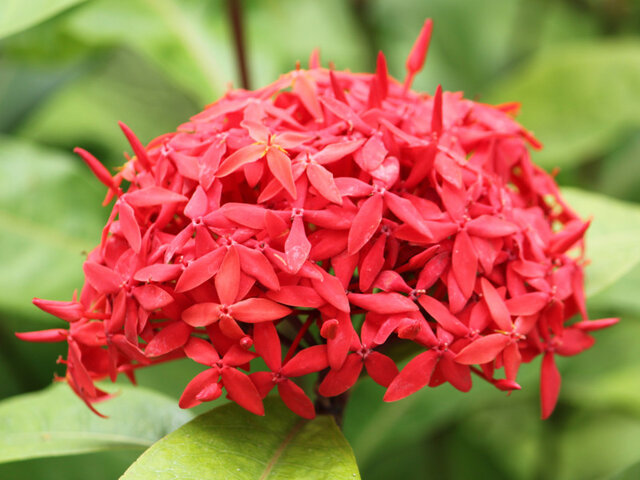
x: 17, y: 15
x: 50, y: 216
x: 187, y: 40
x: 229, y: 442
x: 86, y: 112
x: 577, y: 99
x: 596, y: 444
x: 620, y: 297
x: 629, y: 473
x: 612, y: 239
x: 105, y: 465
x: 55, y: 422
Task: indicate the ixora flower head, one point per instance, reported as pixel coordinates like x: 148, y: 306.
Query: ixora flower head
x: 315, y: 222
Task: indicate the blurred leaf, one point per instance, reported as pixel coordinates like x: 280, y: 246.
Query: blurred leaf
x: 231, y: 442
x: 619, y: 390
x: 55, y: 422
x: 621, y: 297
x: 106, y: 465
x: 279, y: 33
x: 371, y: 424
x: 619, y: 173
x: 17, y: 15
x: 50, y: 216
x: 630, y: 473
x: 170, y: 379
x: 517, y: 432
x: 23, y: 88
x: 86, y: 112
x: 464, y: 53
x: 612, y: 239
x: 187, y: 39
x: 596, y: 444
x: 578, y: 100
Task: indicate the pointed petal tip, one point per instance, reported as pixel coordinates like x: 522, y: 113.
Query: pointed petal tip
x: 418, y: 54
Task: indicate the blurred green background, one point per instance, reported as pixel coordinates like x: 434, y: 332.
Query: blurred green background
x: 70, y: 69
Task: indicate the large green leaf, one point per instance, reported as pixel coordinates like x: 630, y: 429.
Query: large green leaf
x: 104, y: 465
x: 612, y: 239
x: 596, y: 444
x: 577, y: 99
x: 17, y: 15
x: 230, y: 442
x: 55, y: 422
x: 187, y: 39
x: 85, y: 112
x: 50, y: 216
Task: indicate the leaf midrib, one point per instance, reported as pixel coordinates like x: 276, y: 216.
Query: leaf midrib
x: 281, y: 448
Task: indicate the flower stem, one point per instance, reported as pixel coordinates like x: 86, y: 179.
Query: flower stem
x: 237, y: 25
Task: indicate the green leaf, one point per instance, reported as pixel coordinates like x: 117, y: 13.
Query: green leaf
x: 229, y: 442
x: 595, y: 444
x: 620, y: 297
x: 187, y: 40
x: 577, y: 99
x: 17, y: 15
x: 50, y: 216
x: 612, y: 244
x: 55, y: 422
x: 86, y: 111
x: 105, y: 465
x: 629, y: 473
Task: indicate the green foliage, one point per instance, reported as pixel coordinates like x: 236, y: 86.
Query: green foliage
x: 50, y: 216
x: 229, y: 442
x: 55, y: 422
x: 17, y: 15
x: 577, y: 120
x: 612, y: 239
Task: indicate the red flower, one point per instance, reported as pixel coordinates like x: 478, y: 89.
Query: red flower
x: 287, y: 214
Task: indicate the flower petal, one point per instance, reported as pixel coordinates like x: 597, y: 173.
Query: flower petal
x: 297, y: 296
x: 383, y: 303
x: 497, y: 306
x: 309, y: 360
x: 365, y: 223
x: 380, y: 368
x: 322, y: 180
x: 280, y: 166
x: 254, y: 310
x: 464, y: 263
x: 151, y: 297
x: 297, y: 246
x: 196, y: 385
x: 415, y: 375
x: 242, y: 390
x: 294, y: 397
x: 483, y: 350
x: 200, y: 270
x: 201, y: 314
x: 227, y: 278
x: 169, y: 339
x: 243, y: 156
x: 267, y: 345
x: 153, y: 196
x: 549, y: 385
x: 341, y: 380
x: 332, y: 291
x: 442, y: 315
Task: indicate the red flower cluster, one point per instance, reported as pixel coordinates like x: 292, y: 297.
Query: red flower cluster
x: 336, y: 213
